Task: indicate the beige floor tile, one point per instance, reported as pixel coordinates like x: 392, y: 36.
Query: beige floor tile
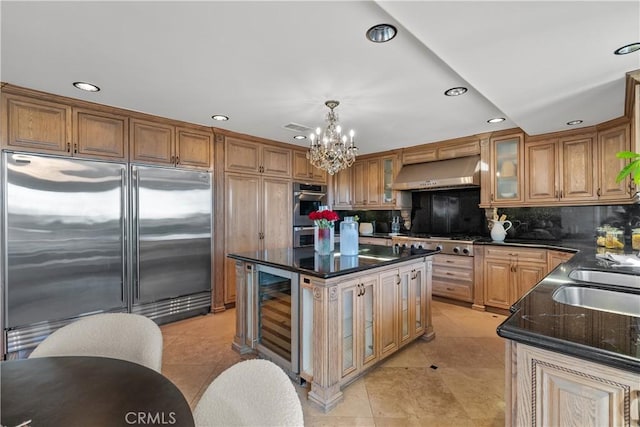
x: 465, y: 389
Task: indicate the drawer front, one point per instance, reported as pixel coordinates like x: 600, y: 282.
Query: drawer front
x: 453, y: 261
x: 530, y: 255
x: 457, y: 291
x: 455, y: 274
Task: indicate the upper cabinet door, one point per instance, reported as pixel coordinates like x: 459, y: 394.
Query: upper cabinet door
x: 276, y: 161
x: 100, y: 134
x: 506, y: 169
x: 541, y: 171
x: 578, y: 168
x: 152, y: 142
x: 610, y: 142
x: 193, y: 148
x: 35, y: 125
x: 241, y: 156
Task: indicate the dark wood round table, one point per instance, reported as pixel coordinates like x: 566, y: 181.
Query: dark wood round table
x: 88, y: 391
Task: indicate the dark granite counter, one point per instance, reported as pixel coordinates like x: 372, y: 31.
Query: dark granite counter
x: 538, y: 320
x: 306, y: 261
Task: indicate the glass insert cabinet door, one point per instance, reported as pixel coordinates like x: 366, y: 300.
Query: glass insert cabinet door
x: 387, y: 180
x: 357, y: 303
x: 507, y: 169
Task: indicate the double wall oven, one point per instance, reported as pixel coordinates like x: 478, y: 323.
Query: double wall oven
x: 306, y: 199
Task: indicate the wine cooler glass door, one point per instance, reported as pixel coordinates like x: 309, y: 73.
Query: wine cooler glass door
x: 277, y: 319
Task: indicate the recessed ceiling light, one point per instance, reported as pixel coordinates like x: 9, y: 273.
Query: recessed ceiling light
x: 574, y: 122
x: 299, y: 137
x: 496, y: 120
x: 381, y: 33
x: 630, y: 48
x: 455, y: 91
x: 220, y: 117
x: 86, y: 86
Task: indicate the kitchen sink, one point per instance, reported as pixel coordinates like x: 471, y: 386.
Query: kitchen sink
x: 599, y: 299
x: 606, y: 278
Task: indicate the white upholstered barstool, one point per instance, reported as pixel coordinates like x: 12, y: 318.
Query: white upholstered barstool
x: 130, y: 337
x: 250, y: 393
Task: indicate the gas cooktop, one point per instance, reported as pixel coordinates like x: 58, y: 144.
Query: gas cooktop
x: 463, y: 237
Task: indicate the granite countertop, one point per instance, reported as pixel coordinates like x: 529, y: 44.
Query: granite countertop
x: 538, y: 320
x: 306, y: 261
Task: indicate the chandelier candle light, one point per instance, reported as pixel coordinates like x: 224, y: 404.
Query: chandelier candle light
x: 329, y: 150
x: 323, y: 219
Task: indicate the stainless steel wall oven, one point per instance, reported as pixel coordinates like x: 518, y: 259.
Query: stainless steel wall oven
x: 306, y: 199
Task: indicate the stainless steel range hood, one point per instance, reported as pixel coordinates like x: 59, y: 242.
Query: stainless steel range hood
x: 452, y: 173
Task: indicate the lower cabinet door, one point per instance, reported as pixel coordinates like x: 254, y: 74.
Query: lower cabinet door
x: 559, y: 390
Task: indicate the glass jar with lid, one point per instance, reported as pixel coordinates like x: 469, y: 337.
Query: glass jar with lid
x: 614, y: 239
x: 635, y: 239
x: 601, y: 236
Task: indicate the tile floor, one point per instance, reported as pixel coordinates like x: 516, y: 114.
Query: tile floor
x: 466, y: 389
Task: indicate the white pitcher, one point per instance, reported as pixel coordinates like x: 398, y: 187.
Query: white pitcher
x: 498, y: 231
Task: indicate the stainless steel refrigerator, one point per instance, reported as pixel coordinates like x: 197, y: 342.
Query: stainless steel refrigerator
x: 171, y: 242
x: 81, y: 237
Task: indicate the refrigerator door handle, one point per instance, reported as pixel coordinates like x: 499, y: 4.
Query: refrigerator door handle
x: 136, y: 219
x: 123, y: 231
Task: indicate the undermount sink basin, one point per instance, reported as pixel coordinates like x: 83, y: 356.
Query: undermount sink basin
x: 606, y: 278
x: 599, y: 299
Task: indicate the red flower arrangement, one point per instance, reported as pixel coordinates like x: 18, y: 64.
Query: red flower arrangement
x: 324, y: 219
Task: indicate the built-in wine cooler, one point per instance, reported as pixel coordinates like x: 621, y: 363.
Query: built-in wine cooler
x: 276, y: 322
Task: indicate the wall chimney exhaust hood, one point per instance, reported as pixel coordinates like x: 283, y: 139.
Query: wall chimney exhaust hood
x: 452, y: 173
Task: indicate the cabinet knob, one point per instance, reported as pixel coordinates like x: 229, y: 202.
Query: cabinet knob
x: 177, y: 160
x: 598, y: 192
x: 68, y: 147
x: 75, y: 148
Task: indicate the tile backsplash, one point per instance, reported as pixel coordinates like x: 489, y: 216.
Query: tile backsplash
x: 569, y: 222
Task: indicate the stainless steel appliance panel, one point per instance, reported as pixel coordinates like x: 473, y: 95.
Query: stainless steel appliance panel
x: 171, y: 211
x: 303, y: 236
x: 306, y: 199
x: 65, y: 238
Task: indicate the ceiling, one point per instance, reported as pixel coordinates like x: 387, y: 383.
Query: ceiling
x: 267, y: 64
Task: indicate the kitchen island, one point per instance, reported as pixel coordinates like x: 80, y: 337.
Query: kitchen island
x: 573, y: 348
x: 329, y: 319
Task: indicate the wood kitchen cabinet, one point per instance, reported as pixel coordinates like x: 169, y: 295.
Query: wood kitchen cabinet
x: 358, y: 301
x: 506, y: 169
x: 555, y: 258
x: 366, y: 183
x: 256, y: 158
x: 610, y: 142
x: 413, y: 292
x: 546, y: 388
x: 453, y: 277
x: 340, y: 197
x: 510, y: 272
x: 403, y: 312
x: 560, y: 170
x: 46, y: 126
x: 100, y: 134
x: 258, y: 216
x: 460, y: 147
x: 304, y: 171
x: 165, y: 144
x: 30, y: 124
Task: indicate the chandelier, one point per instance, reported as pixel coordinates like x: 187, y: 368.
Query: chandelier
x: 329, y: 150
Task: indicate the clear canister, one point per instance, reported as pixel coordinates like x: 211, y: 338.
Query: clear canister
x: 614, y: 239
x: 349, y: 236
x: 601, y: 236
x: 635, y: 239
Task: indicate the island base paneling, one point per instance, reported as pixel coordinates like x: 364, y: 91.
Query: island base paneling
x: 336, y: 331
